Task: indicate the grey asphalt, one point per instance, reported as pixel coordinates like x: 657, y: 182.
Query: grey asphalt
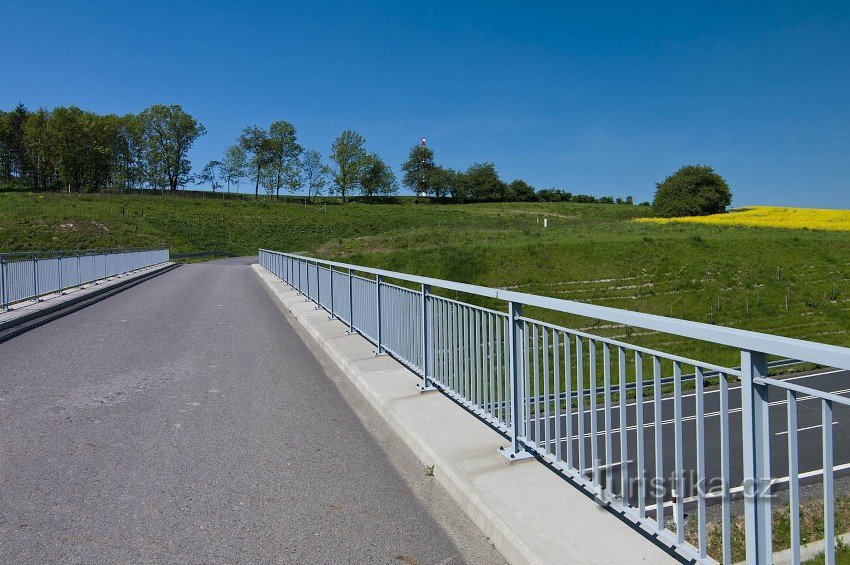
x: 809, y: 454
x: 184, y: 420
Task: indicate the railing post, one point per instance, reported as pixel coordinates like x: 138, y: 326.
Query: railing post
x: 756, y: 435
x: 318, y: 286
x: 515, y: 451
x: 59, y: 271
x: 307, y: 269
x: 79, y: 273
x: 426, y: 342
x: 380, y: 350
x: 4, y: 284
x: 35, y: 277
x: 350, y: 303
x: 331, y: 289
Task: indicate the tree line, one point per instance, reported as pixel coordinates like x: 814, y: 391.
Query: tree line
x: 67, y: 148
x: 71, y: 149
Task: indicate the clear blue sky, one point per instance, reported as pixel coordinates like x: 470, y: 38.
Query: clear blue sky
x: 602, y: 100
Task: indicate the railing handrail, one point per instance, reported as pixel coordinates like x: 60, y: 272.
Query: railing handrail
x: 830, y: 355
x: 48, y: 253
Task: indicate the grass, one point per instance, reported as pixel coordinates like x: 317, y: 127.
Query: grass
x: 811, y: 530
x: 782, y: 281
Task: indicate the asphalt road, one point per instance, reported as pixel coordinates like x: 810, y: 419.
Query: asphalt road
x: 809, y: 426
x: 185, y: 420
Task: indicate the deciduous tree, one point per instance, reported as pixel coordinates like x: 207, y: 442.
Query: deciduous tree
x: 347, y: 156
x: 170, y: 133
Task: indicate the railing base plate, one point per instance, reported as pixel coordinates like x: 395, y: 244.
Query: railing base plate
x: 513, y: 457
x: 429, y: 388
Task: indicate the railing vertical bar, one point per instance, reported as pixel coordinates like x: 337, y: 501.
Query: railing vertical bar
x: 793, y: 476
x: 594, y: 439
x: 526, y: 371
x: 568, y: 404
x: 534, y: 392
x: 679, y: 451
x: 609, y: 445
x: 624, y: 429
x: 556, y: 381
x: 659, y: 449
x: 547, y: 428
x: 639, y: 436
x: 491, y: 331
x: 828, y: 484
x: 580, y: 412
x: 726, y: 511
x: 700, y: 448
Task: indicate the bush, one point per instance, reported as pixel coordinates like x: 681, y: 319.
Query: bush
x: 693, y: 190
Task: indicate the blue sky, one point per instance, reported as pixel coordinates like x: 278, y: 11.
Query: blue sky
x: 601, y: 99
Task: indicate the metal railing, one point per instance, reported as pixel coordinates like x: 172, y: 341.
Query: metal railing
x: 612, y: 417
x: 33, y: 275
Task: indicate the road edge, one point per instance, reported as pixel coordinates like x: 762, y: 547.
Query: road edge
x: 525, y: 526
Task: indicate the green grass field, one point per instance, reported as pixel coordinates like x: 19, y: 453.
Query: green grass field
x: 732, y: 276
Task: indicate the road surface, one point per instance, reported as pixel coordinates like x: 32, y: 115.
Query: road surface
x: 185, y: 420
x: 809, y: 426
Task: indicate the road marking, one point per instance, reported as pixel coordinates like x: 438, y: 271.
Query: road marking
x: 609, y: 466
x: 802, y: 429
x: 651, y: 423
x: 714, y: 494
x: 717, y: 390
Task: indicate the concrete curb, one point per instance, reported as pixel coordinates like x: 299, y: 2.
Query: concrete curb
x: 529, y: 513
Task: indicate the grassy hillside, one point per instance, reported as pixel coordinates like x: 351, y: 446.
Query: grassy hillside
x: 728, y: 275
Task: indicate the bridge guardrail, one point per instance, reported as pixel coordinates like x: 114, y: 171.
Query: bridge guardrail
x: 517, y: 374
x: 34, y: 274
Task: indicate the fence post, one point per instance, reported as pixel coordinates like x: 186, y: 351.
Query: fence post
x: 350, y: 303
x: 756, y: 432
x: 380, y: 350
x: 516, y: 451
x: 35, y: 277
x: 426, y: 342
x: 4, y: 285
x: 79, y: 273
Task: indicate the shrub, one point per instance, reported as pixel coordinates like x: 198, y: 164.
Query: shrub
x: 693, y: 190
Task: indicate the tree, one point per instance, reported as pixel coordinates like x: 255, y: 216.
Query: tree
x: 377, y: 178
x: 418, y: 172
x: 481, y: 182
x: 255, y: 141
x: 521, y: 191
x: 286, y: 153
x: 693, y: 190
x: 170, y: 133
x: 210, y: 175
x: 444, y: 182
x: 315, y: 172
x: 233, y: 166
x: 348, y: 155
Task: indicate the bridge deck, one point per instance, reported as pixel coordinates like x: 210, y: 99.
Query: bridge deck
x: 184, y: 420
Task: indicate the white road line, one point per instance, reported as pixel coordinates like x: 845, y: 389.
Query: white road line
x: 785, y: 433
x: 716, y: 390
x: 651, y: 423
x: 735, y: 490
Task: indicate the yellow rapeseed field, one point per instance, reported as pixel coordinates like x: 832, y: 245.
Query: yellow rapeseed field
x: 770, y: 217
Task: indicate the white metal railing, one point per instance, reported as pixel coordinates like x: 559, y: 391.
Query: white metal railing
x: 612, y: 417
x: 33, y: 275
